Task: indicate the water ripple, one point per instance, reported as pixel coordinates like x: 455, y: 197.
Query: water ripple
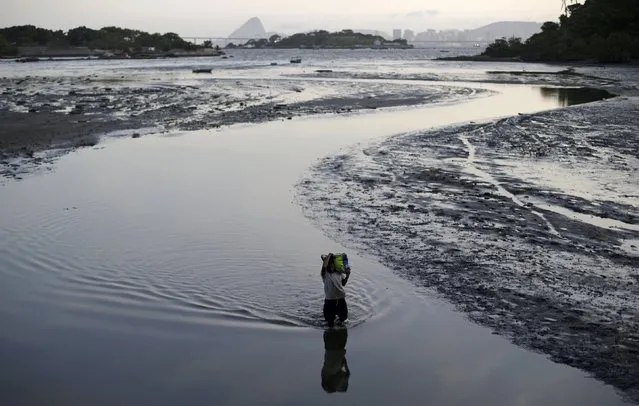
x: 175, y: 278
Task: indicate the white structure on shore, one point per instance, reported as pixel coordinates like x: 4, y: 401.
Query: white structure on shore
x: 409, y: 35
x: 397, y: 33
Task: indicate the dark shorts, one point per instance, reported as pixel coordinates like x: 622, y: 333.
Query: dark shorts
x: 334, y: 308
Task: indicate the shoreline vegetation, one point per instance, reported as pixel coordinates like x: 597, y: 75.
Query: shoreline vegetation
x: 595, y: 31
x: 322, y: 39
x: 31, y: 44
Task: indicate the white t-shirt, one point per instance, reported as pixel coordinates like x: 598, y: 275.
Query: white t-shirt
x: 333, y: 288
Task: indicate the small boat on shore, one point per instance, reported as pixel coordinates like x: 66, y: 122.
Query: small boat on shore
x: 28, y: 59
x: 296, y: 59
x: 202, y: 70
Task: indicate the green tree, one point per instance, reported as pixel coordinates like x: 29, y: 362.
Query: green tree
x: 616, y: 48
x: 208, y: 44
x: 5, y: 47
x: 549, y: 27
x: 325, y: 39
x: 113, y: 38
x: 275, y: 38
x: 504, y: 48
x: 82, y: 36
x: 29, y: 35
x: 256, y: 43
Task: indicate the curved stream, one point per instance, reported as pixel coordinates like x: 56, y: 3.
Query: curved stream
x: 189, y: 228
x: 161, y: 236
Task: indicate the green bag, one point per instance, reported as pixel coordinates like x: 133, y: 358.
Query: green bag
x: 338, y: 261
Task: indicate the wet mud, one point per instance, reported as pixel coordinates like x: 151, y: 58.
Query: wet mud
x: 41, y: 113
x: 529, y: 225
x: 615, y: 80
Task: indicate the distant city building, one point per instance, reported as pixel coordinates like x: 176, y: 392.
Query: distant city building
x: 409, y: 35
x: 397, y: 34
x: 482, y: 34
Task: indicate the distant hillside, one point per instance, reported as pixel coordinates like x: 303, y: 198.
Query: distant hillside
x: 253, y: 29
x: 340, y: 39
x: 490, y: 32
x: 519, y: 29
x: 377, y: 33
x: 109, y: 38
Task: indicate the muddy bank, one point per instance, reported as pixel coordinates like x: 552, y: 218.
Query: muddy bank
x: 529, y: 225
x: 26, y: 134
x: 616, y: 80
x: 477, y: 58
x: 40, y: 113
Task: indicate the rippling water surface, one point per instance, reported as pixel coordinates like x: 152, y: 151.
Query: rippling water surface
x: 179, y: 270
x: 166, y: 231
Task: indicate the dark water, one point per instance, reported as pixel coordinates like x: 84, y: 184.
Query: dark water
x: 573, y: 96
x: 179, y: 270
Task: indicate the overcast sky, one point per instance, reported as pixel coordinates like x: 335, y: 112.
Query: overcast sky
x: 220, y: 18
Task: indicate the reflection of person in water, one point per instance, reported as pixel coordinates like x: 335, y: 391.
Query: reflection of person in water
x: 335, y: 372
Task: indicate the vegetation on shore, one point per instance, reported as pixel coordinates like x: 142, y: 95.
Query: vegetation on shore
x: 109, y: 38
x: 5, y: 46
x: 598, y: 30
x: 135, y: 41
x: 323, y: 39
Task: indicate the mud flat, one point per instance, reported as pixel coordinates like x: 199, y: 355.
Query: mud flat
x: 181, y: 264
x: 529, y: 225
x: 66, y: 112
x: 614, y: 79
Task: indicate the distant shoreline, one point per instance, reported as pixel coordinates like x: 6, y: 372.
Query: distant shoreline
x: 96, y: 58
x: 471, y: 58
x: 483, y: 58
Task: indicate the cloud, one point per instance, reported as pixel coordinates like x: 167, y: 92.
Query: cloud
x: 422, y: 13
x: 290, y: 26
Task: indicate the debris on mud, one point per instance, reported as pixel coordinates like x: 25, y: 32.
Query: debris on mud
x: 529, y: 225
x: 66, y: 111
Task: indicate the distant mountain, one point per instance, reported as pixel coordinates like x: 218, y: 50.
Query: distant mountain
x: 520, y: 29
x: 252, y: 29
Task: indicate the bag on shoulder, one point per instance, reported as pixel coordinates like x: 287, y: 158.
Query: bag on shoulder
x: 339, y: 263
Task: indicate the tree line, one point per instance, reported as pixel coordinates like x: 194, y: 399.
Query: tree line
x: 319, y: 39
x: 599, y: 30
x: 110, y: 38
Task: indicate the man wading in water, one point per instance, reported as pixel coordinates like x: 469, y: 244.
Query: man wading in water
x: 335, y: 274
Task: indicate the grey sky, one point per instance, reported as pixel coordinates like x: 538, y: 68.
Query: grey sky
x: 218, y: 17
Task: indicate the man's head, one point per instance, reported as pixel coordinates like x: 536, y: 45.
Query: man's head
x: 329, y: 262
